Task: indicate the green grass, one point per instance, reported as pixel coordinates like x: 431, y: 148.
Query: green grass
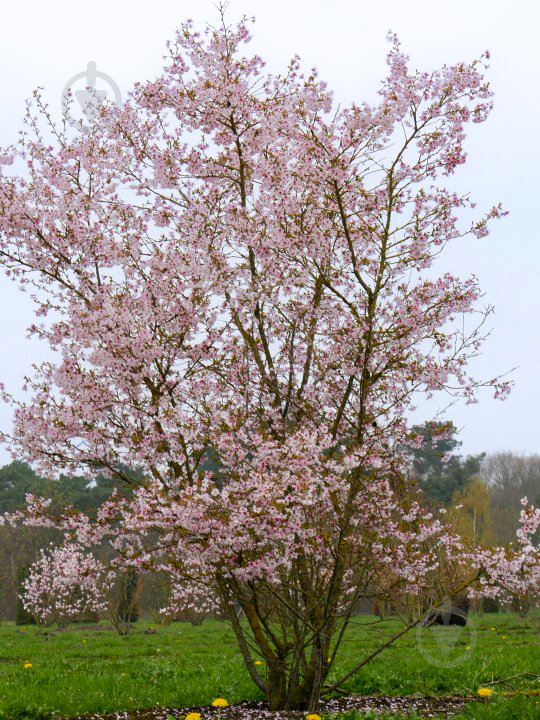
x: 89, y: 669
x: 512, y: 647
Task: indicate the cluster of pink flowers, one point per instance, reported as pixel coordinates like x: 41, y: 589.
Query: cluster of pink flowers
x: 192, y: 599
x: 64, y: 583
x: 513, y: 571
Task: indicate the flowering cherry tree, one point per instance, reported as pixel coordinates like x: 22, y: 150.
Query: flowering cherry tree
x: 513, y: 571
x: 191, y: 600
x: 231, y: 265
x: 63, y: 584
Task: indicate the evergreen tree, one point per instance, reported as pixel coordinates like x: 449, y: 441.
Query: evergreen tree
x: 440, y: 476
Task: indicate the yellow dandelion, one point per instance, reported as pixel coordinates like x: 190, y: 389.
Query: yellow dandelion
x: 193, y: 716
x: 329, y: 659
x: 468, y: 647
x: 313, y: 716
x: 493, y: 628
x: 27, y: 665
x: 484, y: 692
x: 258, y: 662
x: 503, y: 637
x: 220, y: 703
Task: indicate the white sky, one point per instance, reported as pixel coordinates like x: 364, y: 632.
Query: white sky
x: 46, y: 43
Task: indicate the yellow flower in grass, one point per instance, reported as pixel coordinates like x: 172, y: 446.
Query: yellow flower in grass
x: 220, y: 703
x: 193, y: 716
x: 258, y: 662
x: 503, y: 637
x: 484, y: 692
x: 313, y: 716
x: 27, y: 665
x: 468, y: 647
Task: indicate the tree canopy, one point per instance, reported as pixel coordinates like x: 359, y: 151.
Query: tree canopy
x: 234, y: 263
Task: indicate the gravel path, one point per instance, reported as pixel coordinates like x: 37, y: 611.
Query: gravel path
x: 425, y: 707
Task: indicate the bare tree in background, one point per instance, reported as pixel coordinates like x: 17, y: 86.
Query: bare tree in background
x: 510, y: 477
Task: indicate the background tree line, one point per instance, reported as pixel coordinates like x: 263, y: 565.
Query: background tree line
x: 482, y: 492
x: 20, y: 546
x: 480, y: 496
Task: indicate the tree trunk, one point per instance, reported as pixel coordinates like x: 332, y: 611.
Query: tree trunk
x: 277, y: 687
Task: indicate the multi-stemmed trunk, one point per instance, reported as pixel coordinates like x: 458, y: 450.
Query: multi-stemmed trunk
x: 294, y: 646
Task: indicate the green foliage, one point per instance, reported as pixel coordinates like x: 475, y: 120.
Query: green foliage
x: 441, y: 480
x: 471, y: 514
x: 212, y: 464
x: 18, y: 480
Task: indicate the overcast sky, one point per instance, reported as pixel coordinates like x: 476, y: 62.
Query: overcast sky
x: 47, y: 43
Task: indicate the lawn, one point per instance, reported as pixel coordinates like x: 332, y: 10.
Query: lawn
x: 90, y: 669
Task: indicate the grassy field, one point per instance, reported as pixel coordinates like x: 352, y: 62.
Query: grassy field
x: 92, y: 669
